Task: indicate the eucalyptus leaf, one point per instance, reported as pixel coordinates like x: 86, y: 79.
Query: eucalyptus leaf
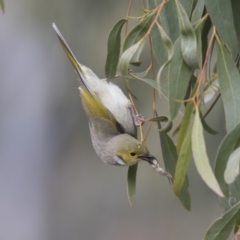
x: 150, y: 4
x: 200, y: 156
x: 232, y: 169
x: 237, y: 224
x: 188, y: 38
x: 2, y: 5
x: 169, y: 48
x: 114, y: 44
x: 222, y: 227
x: 184, y: 125
x: 229, y: 82
x: 138, y: 33
x: 167, y: 127
x: 182, y: 163
x: 198, y: 11
x: 236, y: 18
x: 126, y: 58
x: 169, y: 153
x: 179, y: 77
x: 158, y: 119
x: 224, y: 151
x: 159, y: 49
x: 207, y: 128
x: 221, y: 14
x: 169, y: 20
x: 150, y: 82
x: 187, y: 6
x: 131, y: 183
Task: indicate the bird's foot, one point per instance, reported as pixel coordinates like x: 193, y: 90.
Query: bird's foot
x: 139, y: 120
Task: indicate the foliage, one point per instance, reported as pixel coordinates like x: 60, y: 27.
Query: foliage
x: 2, y: 5
x: 183, y: 36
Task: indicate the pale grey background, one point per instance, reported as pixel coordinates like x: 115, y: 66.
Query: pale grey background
x: 52, y: 185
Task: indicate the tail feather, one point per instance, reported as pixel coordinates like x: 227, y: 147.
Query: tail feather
x: 71, y: 57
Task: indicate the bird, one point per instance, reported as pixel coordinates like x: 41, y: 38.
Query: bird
x: 112, y: 121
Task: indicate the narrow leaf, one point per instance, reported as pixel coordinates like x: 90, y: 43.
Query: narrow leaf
x: 169, y: 153
x: 131, y: 183
x: 184, y: 125
x: 158, y: 119
x: 182, y: 163
x: 232, y: 169
x: 201, y: 158
x: 187, y: 6
x: 127, y: 56
x: 198, y: 11
x: 237, y: 225
x: 236, y: 18
x: 159, y: 49
x: 138, y: 33
x: 188, y: 38
x: 179, y: 75
x: 150, y: 4
x: 150, y: 82
x: 207, y: 128
x: 222, y: 227
x: 224, y: 151
x: 169, y: 20
x: 169, y: 49
x: 229, y: 80
x: 221, y: 14
x: 114, y: 44
x: 2, y: 5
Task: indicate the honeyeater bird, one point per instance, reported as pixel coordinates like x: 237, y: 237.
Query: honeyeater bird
x: 112, y: 122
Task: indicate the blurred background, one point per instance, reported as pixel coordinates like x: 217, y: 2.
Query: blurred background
x: 52, y: 184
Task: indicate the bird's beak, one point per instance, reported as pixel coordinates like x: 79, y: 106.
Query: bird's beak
x: 147, y: 157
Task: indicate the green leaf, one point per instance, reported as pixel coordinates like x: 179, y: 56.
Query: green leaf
x: 2, y: 5
x: 169, y: 49
x: 182, y: 163
x: 198, y: 26
x: 150, y: 4
x: 126, y: 57
x: 158, y: 119
x: 114, y: 44
x: 201, y: 158
x: 237, y: 224
x: 159, y: 48
x: 229, y: 80
x: 166, y: 128
x: 138, y: 34
x: 198, y: 11
x: 131, y: 183
x: 222, y: 227
x: 179, y: 75
x: 187, y: 6
x: 236, y: 18
x: 188, y: 38
x: 232, y: 169
x: 184, y: 125
x: 169, y: 20
x: 169, y: 153
x: 225, y: 149
x: 150, y: 82
x: 221, y: 14
x: 207, y: 128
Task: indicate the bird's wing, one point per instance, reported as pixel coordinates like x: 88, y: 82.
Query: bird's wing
x: 93, y: 106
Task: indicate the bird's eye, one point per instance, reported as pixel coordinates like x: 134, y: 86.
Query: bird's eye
x: 133, y: 154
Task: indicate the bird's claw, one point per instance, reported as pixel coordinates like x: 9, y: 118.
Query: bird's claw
x: 139, y: 120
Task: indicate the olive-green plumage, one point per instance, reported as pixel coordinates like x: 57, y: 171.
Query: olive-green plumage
x: 110, y: 114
